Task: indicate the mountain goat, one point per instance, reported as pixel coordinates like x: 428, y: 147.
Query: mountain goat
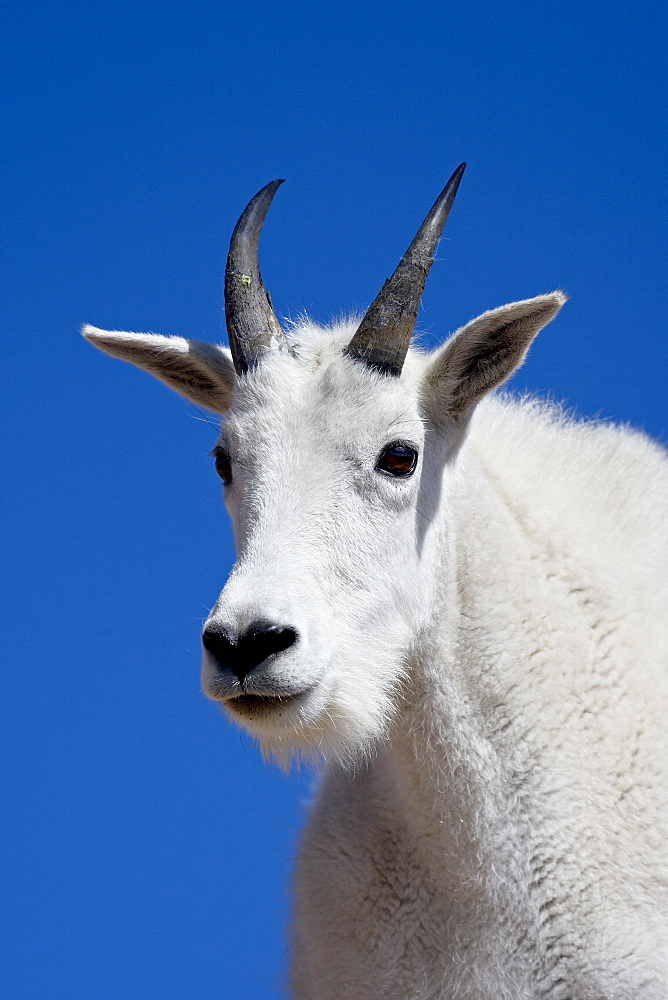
x: 457, y: 600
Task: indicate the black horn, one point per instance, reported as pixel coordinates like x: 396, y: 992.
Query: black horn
x: 252, y: 327
x: 383, y: 337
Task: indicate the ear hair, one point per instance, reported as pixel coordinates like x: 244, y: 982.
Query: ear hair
x: 484, y: 353
x: 201, y: 372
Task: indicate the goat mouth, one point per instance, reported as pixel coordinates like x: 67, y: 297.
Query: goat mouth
x: 261, y: 704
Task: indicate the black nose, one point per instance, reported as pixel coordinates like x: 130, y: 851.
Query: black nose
x: 244, y: 653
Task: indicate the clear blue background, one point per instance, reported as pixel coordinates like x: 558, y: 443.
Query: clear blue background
x: 147, y: 848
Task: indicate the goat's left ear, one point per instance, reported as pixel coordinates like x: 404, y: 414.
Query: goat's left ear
x: 201, y: 372
x: 484, y: 353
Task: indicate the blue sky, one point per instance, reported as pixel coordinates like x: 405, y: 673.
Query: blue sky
x: 146, y: 847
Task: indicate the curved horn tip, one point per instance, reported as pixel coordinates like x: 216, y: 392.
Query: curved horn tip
x: 272, y: 186
x: 251, y: 219
x: 457, y: 175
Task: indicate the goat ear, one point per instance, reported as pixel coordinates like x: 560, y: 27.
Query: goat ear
x: 485, y: 352
x: 201, y: 372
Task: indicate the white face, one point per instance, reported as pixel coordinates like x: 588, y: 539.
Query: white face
x: 336, y: 532
x: 329, y: 522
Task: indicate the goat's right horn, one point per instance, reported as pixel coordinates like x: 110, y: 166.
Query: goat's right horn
x: 252, y: 327
x: 384, y: 335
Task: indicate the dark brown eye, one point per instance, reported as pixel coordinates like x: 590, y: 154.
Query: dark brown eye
x: 397, y: 460
x: 223, y: 466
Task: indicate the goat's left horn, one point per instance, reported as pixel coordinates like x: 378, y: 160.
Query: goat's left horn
x: 384, y: 335
x: 252, y: 327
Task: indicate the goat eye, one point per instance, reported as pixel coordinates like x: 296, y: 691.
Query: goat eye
x: 397, y: 460
x: 223, y: 466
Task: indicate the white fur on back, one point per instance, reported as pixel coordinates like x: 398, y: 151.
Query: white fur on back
x: 604, y: 485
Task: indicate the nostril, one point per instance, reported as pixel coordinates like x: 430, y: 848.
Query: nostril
x: 246, y: 652
x: 262, y: 641
x: 221, y: 644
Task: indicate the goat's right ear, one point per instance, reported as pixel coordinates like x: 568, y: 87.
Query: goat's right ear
x: 484, y: 353
x: 203, y: 373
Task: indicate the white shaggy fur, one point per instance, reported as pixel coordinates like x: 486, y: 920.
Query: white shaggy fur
x: 481, y: 664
